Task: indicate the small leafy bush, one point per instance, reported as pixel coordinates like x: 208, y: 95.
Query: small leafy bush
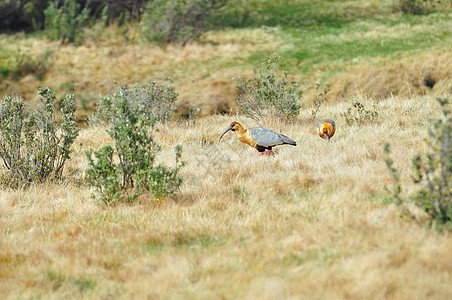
x: 127, y: 169
x: 358, y: 114
x: 32, y: 145
x: 154, y: 102
x: 432, y: 172
x: 177, y: 21
x: 269, y: 93
x: 65, y: 22
x: 320, y: 98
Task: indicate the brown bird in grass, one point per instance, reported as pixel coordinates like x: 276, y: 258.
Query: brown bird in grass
x: 260, y: 138
x: 326, y: 128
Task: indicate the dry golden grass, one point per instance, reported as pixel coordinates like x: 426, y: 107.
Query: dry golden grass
x: 405, y: 77
x: 308, y: 222
x: 203, y: 72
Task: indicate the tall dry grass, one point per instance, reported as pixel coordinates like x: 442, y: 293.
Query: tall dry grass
x: 411, y: 75
x: 202, y: 71
x: 308, y: 222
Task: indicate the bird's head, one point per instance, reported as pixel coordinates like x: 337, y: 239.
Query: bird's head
x: 233, y: 127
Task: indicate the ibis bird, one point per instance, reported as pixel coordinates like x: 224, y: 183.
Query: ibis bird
x: 260, y: 138
x: 326, y: 128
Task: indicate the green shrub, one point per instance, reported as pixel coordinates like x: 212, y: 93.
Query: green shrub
x: 357, y: 114
x: 153, y: 102
x: 127, y: 169
x: 65, y: 22
x: 269, y: 93
x: 32, y: 146
x: 432, y: 172
x: 177, y: 21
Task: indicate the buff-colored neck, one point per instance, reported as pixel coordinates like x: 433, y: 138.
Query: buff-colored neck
x: 244, y: 136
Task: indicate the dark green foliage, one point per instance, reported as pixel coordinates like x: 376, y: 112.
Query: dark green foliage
x: 433, y: 172
x: 65, y: 22
x: 357, y: 114
x: 103, y: 174
x: 127, y: 169
x: 160, y: 180
x: 32, y: 146
x: 18, y: 15
x: 178, y: 21
x: 269, y: 93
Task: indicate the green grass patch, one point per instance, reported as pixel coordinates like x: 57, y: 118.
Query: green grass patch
x: 296, y: 13
x: 152, y: 246
x: 85, y: 284
x: 386, y: 199
x: 58, y: 279
x: 332, y: 48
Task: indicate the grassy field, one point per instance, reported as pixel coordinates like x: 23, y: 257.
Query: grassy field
x: 312, y: 221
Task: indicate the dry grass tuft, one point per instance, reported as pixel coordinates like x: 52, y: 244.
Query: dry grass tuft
x: 307, y: 222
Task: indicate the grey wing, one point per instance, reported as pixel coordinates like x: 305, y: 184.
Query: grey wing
x: 268, y: 138
x: 287, y: 140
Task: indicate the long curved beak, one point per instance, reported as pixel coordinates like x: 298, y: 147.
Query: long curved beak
x: 230, y: 128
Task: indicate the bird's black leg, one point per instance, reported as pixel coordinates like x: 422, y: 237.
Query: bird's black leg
x: 262, y: 150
